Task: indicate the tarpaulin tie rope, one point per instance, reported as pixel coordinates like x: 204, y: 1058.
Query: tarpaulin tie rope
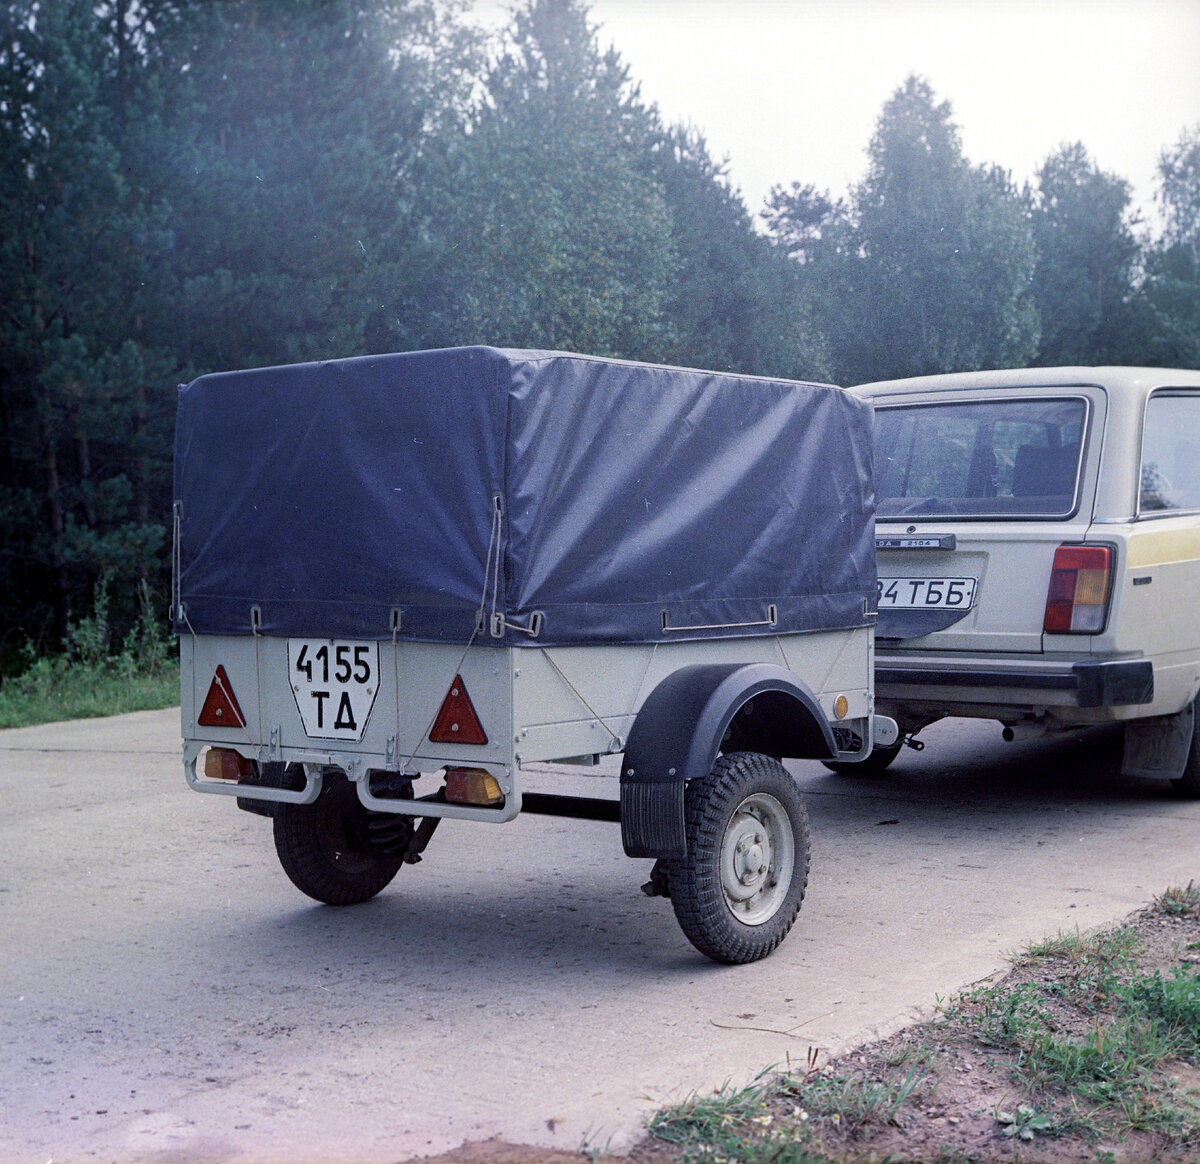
x: 433, y: 718
x: 396, y: 678
x: 206, y: 660
x: 176, y: 539
x: 579, y: 695
x: 256, y: 630
x: 490, y: 569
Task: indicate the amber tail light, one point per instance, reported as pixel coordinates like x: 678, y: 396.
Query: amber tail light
x: 472, y: 786
x: 226, y: 764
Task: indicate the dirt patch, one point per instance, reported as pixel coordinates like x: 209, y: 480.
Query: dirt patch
x: 949, y: 1090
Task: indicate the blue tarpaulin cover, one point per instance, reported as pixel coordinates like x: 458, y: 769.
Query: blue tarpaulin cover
x: 617, y: 501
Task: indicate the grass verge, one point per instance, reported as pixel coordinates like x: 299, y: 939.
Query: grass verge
x: 1087, y: 1049
x: 88, y: 678
x: 56, y: 689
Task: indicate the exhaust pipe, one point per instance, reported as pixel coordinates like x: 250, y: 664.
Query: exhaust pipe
x: 1024, y: 731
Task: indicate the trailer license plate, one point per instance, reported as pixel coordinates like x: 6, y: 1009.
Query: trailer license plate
x: 334, y: 683
x: 927, y: 593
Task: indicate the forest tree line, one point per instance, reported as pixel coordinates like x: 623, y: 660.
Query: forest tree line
x: 195, y: 185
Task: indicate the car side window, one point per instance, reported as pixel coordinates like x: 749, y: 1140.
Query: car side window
x: 1170, y: 477
x: 1013, y: 458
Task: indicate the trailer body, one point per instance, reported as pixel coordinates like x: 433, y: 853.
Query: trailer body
x: 407, y: 577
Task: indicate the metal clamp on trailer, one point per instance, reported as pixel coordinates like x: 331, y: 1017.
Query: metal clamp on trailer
x: 448, y: 566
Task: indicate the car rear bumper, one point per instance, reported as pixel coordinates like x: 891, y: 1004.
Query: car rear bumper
x: 1051, y: 682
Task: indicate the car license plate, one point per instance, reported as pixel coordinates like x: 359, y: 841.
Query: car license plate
x: 334, y: 683
x: 927, y: 593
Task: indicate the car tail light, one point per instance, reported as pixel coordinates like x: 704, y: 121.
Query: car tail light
x: 220, y: 704
x: 1080, y: 584
x: 457, y: 722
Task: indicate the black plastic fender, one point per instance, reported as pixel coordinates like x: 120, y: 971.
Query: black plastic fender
x: 680, y: 730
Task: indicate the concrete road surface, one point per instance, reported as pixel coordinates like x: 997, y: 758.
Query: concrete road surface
x: 165, y: 994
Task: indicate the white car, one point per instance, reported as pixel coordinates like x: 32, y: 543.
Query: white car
x: 1038, y: 546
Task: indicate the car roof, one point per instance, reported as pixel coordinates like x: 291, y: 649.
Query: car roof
x: 1121, y: 379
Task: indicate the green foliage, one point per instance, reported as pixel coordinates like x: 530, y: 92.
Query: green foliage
x: 87, y: 639
x: 1083, y: 284
x: 781, y: 1120
x: 1179, y: 190
x: 146, y: 649
x: 1092, y: 965
x: 798, y: 216
x: 53, y: 689
x: 1025, y: 1122
x: 1173, y: 1004
x: 84, y: 389
x: 555, y: 238
x: 1168, y: 306
x: 290, y: 135
x: 1142, y: 1022
x: 1102, y: 946
x: 927, y: 267
x: 1180, y: 901
x: 86, y: 679
x: 737, y: 302
x: 1101, y: 1066
x: 703, y: 1117
x: 728, y: 1125
x: 856, y: 1102
x: 1009, y: 1016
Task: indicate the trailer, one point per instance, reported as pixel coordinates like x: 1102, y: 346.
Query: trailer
x: 400, y: 580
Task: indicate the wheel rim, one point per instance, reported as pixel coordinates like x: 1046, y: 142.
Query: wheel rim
x: 758, y: 854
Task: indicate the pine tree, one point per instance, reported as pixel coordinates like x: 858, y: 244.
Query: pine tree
x: 1168, y: 305
x: 81, y: 384
x: 737, y: 302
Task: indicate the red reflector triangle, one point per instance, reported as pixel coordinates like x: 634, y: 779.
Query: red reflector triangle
x: 220, y: 704
x: 457, y: 722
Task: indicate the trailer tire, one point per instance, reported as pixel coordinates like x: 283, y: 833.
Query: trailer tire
x: 879, y: 760
x: 739, y: 889
x: 327, y: 849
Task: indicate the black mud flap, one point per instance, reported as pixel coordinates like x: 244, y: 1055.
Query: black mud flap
x: 1157, y: 748
x: 652, y: 820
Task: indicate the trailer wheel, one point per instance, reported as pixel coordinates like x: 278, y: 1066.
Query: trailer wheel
x: 876, y: 762
x: 737, y: 892
x: 335, y: 849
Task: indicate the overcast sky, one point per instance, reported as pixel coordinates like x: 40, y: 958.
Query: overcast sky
x: 790, y: 90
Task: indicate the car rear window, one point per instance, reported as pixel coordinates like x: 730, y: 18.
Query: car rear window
x: 1171, y: 453
x: 1009, y: 458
